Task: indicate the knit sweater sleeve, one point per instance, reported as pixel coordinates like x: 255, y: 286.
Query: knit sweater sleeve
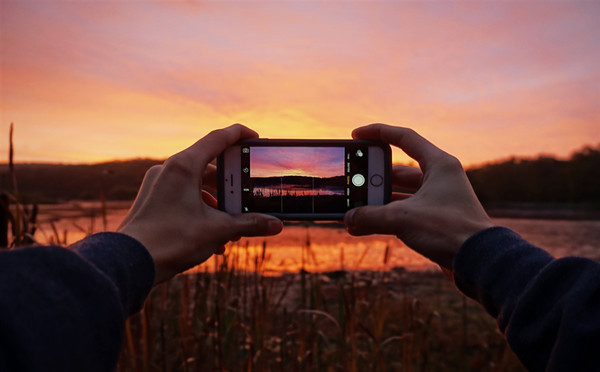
x: 548, y: 309
x: 65, y: 309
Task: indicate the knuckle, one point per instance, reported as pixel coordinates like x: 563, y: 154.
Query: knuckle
x: 220, y: 137
x: 408, y: 131
x: 178, y: 164
x: 216, y: 132
x: 399, y: 134
x: 449, y: 163
x: 153, y: 171
x: 240, y: 223
x: 250, y: 224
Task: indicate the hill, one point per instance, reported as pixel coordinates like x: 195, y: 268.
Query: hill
x: 50, y: 183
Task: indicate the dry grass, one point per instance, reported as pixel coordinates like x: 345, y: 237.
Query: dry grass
x: 224, y: 319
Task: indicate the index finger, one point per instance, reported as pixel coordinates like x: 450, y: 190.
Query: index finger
x: 214, y: 143
x: 412, y: 143
x: 407, y: 177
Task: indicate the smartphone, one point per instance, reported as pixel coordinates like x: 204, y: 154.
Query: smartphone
x: 303, y: 179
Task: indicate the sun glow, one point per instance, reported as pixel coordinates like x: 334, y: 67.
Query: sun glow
x: 97, y: 81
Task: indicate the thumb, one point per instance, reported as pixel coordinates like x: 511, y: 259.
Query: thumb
x: 371, y: 220
x: 255, y: 224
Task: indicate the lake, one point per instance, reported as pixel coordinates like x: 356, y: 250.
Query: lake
x: 320, y: 247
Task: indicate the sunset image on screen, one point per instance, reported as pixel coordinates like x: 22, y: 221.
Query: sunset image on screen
x: 297, y: 179
x: 296, y: 161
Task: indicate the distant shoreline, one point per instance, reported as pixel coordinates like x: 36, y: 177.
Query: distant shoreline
x: 545, y: 212
x: 528, y: 211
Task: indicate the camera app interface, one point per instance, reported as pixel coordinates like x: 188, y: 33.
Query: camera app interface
x: 298, y: 180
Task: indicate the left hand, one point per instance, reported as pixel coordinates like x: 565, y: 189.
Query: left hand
x: 177, y: 221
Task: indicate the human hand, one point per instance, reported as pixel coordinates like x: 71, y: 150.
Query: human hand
x: 177, y: 221
x: 443, y: 212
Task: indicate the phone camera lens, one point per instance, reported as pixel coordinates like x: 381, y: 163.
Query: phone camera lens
x: 359, y: 153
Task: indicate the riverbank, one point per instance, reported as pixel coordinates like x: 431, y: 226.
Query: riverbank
x: 545, y: 211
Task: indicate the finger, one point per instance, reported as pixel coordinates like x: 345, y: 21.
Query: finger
x: 407, y: 177
x: 209, y: 178
x: 371, y: 220
x: 400, y: 196
x: 214, y: 143
x: 413, y: 144
x: 209, y: 199
x: 255, y: 224
x: 191, y: 162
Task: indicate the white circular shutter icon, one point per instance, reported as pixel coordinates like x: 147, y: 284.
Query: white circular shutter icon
x: 358, y: 180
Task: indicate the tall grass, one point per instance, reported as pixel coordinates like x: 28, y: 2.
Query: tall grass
x: 227, y: 319
x: 18, y: 222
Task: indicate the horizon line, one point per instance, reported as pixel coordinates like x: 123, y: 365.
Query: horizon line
x: 410, y: 162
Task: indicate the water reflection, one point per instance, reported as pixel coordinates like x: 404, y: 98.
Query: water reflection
x: 322, y: 247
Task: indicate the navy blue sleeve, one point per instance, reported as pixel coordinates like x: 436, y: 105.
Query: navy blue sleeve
x: 548, y: 309
x: 65, y: 309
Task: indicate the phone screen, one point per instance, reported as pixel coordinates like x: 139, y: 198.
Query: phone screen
x: 302, y: 179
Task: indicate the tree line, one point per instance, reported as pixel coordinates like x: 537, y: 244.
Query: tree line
x: 545, y: 179
x: 54, y: 183
x: 540, y: 180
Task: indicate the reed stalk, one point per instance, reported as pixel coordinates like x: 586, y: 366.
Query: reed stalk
x: 130, y: 345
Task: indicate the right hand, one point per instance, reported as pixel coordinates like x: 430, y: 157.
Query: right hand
x: 443, y: 212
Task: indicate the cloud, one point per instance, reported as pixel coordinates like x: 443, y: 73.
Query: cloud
x: 472, y: 77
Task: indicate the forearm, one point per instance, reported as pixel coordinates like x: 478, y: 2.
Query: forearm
x: 547, y: 308
x: 125, y: 262
x: 64, y: 309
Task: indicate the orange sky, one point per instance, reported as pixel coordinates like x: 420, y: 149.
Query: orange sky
x: 89, y: 82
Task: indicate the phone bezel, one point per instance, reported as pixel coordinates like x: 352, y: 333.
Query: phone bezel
x: 233, y: 152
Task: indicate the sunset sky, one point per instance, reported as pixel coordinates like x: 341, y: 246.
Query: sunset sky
x: 94, y: 81
x: 297, y: 161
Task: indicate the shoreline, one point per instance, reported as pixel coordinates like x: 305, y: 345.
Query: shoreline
x: 510, y: 210
x: 545, y: 212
